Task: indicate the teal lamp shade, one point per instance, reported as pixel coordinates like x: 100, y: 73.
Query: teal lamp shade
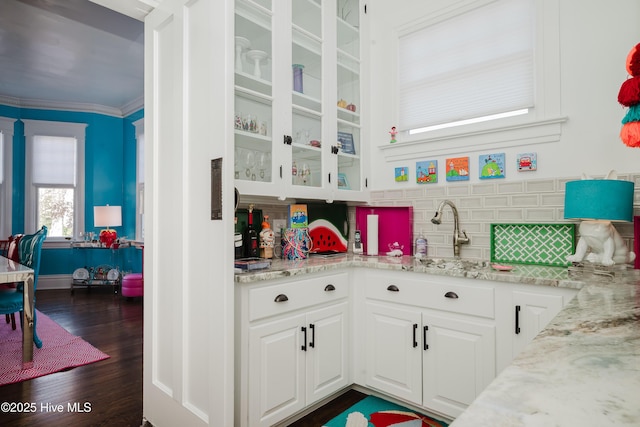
x: 599, y: 199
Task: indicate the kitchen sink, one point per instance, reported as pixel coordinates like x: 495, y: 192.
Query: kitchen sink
x: 454, y: 264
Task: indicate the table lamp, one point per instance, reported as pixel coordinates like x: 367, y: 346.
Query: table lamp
x: 107, y: 216
x: 598, y: 202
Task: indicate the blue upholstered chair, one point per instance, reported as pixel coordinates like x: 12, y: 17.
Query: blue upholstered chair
x: 29, y: 249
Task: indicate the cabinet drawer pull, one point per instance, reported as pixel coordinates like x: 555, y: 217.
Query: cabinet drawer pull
x: 415, y: 333
x: 451, y: 295
x: 424, y: 337
x: 329, y: 288
x: 303, y: 347
x: 393, y: 288
x: 312, y: 343
x: 281, y: 298
x: 517, y: 319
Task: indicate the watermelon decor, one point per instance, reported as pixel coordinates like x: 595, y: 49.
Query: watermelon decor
x: 328, y: 227
x: 326, y: 237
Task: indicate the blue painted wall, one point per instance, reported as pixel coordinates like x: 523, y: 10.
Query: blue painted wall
x: 110, y: 178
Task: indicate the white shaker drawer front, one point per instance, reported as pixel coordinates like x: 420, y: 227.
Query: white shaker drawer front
x: 281, y: 298
x: 475, y: 299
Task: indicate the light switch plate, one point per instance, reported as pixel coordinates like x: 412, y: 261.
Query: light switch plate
x: 279, y: 224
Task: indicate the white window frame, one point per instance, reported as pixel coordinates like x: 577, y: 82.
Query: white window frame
x: 6, y: 186
x: 60, y: 129
x: 139, y: 126
x: 542, y: 124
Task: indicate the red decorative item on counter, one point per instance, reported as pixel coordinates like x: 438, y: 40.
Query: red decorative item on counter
x: 108, y: 236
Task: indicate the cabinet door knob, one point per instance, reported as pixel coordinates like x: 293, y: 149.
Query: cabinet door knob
x: 393, y: 288
x: 451, y: 295
x: 288, y: 140
x: 281, y: 298
x: 329, y: 288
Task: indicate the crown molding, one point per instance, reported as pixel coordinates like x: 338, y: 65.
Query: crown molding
x: 40, y: 104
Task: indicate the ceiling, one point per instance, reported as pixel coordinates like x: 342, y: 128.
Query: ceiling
x: 70, y: 51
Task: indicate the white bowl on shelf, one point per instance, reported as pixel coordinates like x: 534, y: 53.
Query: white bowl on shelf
x: 257, y: 56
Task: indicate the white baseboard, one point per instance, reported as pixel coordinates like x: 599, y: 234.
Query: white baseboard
x: 57, y: 281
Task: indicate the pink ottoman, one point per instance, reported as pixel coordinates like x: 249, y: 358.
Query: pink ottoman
x: 133, y: 285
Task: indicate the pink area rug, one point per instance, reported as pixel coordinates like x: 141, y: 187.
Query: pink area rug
x: 60, y: 351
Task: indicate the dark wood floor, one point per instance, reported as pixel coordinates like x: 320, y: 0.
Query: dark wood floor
x: 113, y: 387
x: 330, y: 410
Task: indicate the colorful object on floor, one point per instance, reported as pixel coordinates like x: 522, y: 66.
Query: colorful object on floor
x: 382, y: 413
x: 60, y: 351
x: 132, y: 285
x: 629, y: 96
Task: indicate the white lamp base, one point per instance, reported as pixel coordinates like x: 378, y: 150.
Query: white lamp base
x: 604, y: 242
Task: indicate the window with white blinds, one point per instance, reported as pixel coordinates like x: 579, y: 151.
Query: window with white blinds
x: 475, y: 64
x: 54, y: 160
x: 54, y: 184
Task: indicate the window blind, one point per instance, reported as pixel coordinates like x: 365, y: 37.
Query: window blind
x: 472, y: 65
x: 54, y: 160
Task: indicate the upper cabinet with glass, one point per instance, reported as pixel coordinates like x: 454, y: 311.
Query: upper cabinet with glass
x: 253, y: 120
x: 298, y: 128
x: 306, y: 101
x: 348, y: 61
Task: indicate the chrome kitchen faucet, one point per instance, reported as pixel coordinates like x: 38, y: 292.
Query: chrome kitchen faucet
x: 459, y: 237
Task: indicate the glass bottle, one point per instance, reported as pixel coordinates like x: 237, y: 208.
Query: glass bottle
x: 251, y: 237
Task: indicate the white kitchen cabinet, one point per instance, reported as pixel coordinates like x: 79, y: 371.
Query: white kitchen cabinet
x: 298, y: 123
x: 393, y: 356
x: 458, y: 361
x: 525, y: 310
x: 429, y: 341
x: 293, y: 346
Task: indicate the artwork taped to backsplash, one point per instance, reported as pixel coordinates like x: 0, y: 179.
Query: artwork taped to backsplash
x: 537, y: 244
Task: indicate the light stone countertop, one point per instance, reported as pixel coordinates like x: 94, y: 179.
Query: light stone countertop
x: 583, y: 369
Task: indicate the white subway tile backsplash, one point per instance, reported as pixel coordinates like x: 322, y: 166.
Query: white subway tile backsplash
x: 457, y: 189
x: 496, y: 201
x: 540, y: 186
x: 535, y: 215
x: 479, y: 206
x: 510, y: 215
x: 483, y: 189
x: 555, y: 199
x: 526, y: 200
x: 510, y: 187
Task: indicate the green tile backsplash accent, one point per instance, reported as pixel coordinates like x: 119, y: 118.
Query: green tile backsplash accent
x: 538, y: 244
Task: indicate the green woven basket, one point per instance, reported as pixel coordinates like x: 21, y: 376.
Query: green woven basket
x: 534, y: 244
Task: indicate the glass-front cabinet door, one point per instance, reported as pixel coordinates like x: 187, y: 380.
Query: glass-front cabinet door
x: 307, y: 169
x: 298, y: 128
x: 253, y: 121
x: 349, y: 135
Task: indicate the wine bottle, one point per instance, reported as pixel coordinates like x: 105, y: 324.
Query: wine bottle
x: 251, y: 237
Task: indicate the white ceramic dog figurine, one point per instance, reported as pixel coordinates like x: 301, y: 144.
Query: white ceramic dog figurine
x: 606, y: 244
